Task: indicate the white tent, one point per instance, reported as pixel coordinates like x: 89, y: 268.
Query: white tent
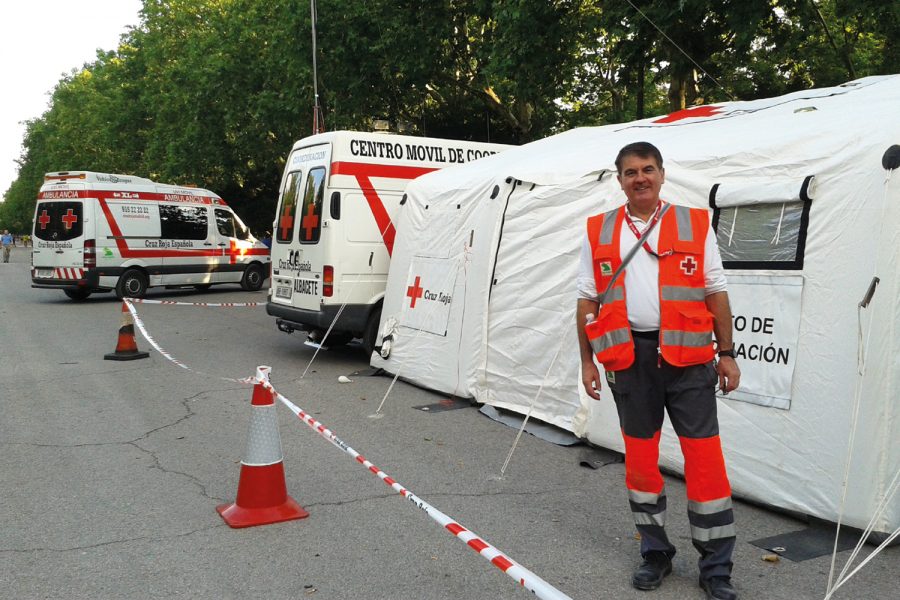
x: 481, y: 293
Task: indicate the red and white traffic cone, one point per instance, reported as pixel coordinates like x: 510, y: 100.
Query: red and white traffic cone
x: 126, y: 346
x: 262, y: 496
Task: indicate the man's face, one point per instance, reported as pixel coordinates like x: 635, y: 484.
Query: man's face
x: 641, y: 180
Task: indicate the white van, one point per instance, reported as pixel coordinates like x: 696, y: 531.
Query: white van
x: 333, y: 233
x: 97, y: 232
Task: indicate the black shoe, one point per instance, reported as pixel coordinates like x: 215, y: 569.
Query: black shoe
x: 718, y: 588
x: 649, y: 575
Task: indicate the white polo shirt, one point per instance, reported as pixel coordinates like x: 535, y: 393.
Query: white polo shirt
x: 642, y: 274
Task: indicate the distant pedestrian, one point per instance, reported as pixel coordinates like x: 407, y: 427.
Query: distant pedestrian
x: 7, y: 241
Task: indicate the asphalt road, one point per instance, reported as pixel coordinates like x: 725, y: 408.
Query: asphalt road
x: 110, y: 473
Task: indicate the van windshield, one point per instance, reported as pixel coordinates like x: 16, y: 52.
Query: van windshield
x: 58, y: 221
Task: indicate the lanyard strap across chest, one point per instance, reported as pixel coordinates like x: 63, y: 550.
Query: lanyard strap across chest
x: 656, y: 216
x: 642, y: 240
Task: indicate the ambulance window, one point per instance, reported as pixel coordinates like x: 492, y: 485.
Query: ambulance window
x: 762, y: 226
x: 241, y: 231
x: 311, y: 217
x: 58, y: 221
x: 224, y: 223
x: 182, y: 222
x: 229, y: 225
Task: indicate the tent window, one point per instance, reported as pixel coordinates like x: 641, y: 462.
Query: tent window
x: 762, y: 226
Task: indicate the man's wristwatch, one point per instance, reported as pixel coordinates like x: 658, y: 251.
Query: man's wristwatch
x: 729, y: 352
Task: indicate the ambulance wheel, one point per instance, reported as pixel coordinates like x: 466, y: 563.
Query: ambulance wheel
x: 371, y: 334
x: 132, y: 284
x: 253, y: 278
x: 78, y: 295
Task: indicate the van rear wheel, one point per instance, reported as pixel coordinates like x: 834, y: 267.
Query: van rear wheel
x: 132, y: 284
x: 253, y: 278
x: 78, y: 295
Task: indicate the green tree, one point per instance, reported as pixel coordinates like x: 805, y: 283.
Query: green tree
x: 214, y: 92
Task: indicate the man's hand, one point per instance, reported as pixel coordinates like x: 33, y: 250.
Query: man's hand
x: 729, y: 374
x: 590, y: 379
x: 590, y: 375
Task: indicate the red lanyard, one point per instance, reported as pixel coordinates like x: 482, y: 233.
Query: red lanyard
x: 652, y: 223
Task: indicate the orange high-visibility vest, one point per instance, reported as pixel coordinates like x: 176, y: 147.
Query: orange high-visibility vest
x: 686, y: 325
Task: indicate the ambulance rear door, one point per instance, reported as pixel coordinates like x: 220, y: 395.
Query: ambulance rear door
x: 298, y: 244
x: 62, y: 222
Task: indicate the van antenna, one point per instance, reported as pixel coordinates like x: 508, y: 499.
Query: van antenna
x: 318, y: 119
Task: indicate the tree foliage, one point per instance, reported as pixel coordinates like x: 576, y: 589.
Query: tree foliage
x: 214, y: 92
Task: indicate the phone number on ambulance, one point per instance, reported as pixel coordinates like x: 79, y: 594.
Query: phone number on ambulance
x: 136, y: 210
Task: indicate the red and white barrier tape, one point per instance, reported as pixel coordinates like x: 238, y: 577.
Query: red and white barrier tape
x: 140, y: 325
x: 204, y: 304
x: 526, y: 578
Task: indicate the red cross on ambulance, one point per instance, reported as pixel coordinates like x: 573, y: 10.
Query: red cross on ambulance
x: 235, y: 251
x: 286, y: 224
x: 414, y: 292
x: 310, y: 220
x: 688, y: 265
x: 70, y: 218
x: 44, y: 219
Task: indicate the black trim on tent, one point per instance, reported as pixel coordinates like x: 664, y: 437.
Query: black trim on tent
x: 804, y: 189
x: 515, y: 182
x: 891, y: 158
x: 712, y: 197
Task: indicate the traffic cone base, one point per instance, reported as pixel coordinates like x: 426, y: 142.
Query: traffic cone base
x: 237, y: 517
x: 262, y: 496
x: 126, y: 346
x: 262, y: 499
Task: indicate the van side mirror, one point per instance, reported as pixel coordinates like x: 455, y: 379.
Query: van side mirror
x: 335, y: 205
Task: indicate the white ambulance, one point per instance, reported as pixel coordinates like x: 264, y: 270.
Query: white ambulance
x: 97, y: 232
x: 333, y: 233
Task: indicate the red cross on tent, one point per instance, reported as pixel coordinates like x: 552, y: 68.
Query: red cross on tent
x: 286, y: 224
x: 414, y: 291
x: 44, y: 219
x: 690, y: 113
x: 688, y: 265
x: 310, y: 220
x: 69, y: 219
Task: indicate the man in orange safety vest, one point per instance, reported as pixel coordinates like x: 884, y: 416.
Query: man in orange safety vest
x: 649, y: 305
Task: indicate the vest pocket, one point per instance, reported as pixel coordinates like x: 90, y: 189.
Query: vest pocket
x: 687, y: 338
x: 610, y: 337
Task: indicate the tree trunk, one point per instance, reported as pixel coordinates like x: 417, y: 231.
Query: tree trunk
x: 640, y: 93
